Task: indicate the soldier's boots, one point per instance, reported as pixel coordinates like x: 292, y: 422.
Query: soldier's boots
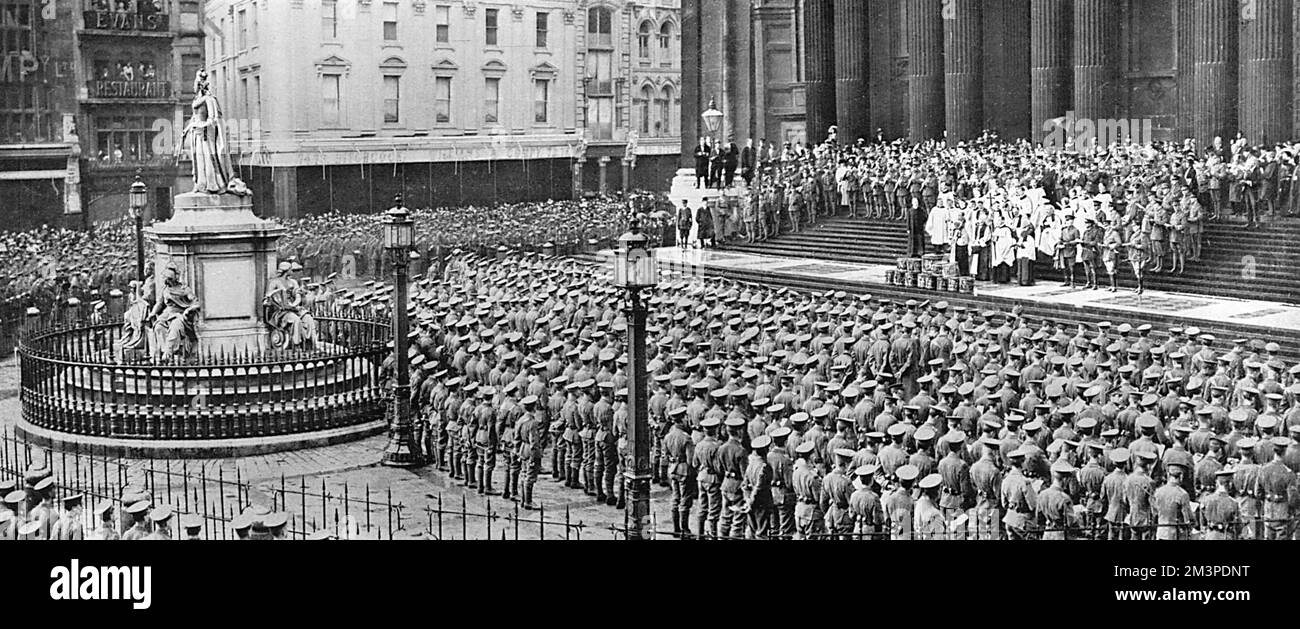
x: 485, y: 482
x: 600, y: 495
x: 613, y: 500
x: 505, y: 487
x: 677, y: 524
x: 573, y: 479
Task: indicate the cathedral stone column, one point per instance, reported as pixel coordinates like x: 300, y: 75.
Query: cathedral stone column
x: 1049, y: 54
x: 1265, y: 105
x: 852, y: 102
x: 963, y: 36
x: 819, y: 65
x: 1214, y: 25
x: 923, y: 33
x: 1096, y: 55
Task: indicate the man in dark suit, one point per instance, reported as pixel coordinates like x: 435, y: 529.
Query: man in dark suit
x: 747, y: 161
x: 701, y: 163
x: 730, y: 159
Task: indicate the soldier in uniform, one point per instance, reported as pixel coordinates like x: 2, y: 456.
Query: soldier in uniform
x: 1138, y: 491
x: 69, y: 526
x: 1278, y: 489
x: 928, y: 521
x: 806, y: 479
x: 864, y: 505
x: 757, y: 488
x: 783, y: 497
x: 898, y: 505
x: 139, y: 512
x: 986, y: 481
x: 1091, y: 478
x: 528, y: 436
x: 732, y: 462
x: 106, y: 528
x: 38, y: 508
x: 161, y: 518
x: 1019, y: 500
x: 1172, y: 505
x: 1245, y: 480
x: 708, y: 478
x: 836, y: 489
x: 957, y: 494
x: 1054, y: 504
x: 606, y: 444
x: 680, y: 452
x: 1219, y: 516
x: 13, y: 501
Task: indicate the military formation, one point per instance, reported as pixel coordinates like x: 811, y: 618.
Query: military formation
x: 29, y: 512
x: 780, y: 413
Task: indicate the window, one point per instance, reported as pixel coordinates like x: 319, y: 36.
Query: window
x: 243, y: 93
x: 665, y: 43
x: 598, y: 27
x: 541, y: 100
x: 190, y: 15
x: 491, y: 100
x: 643, y: 106
x: 221, y: 38
x: 664, y: 125
x: 241, y: 28
x: 329, y: 19
x: 643, y: 42
x: 257, y: 100
x: 442, y: 99
x: 330, y: 100
x: 252, y: 28
x: 442, y: 24
x: 490, y: 24
x: 124, y: 138
x: 190, y: 66
x: 390, y: 21
x: 392, y: 94
x: 543, y: 24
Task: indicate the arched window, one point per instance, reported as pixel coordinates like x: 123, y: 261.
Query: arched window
x: 643, y: 107
x: 643, y: 42
x: 664, y: 107
x: 599, y: 26
x: 666, y: 43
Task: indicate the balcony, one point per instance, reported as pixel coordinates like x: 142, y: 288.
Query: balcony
x: 129, y: 90
x: 126, y: 23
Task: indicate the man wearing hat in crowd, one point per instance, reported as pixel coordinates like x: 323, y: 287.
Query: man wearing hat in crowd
x: 1019, y: 498
x: 783, y: 496
x: 139, y: 513
x: 1172, y: 505
x: 708, y: 477
x: 864, y: 505
x: 192, y: 524
x: 1055, y: 507
x: 529, y: 446
x: 69, y: 526
x: 732, y: 459
x: 806, y: 479
x: 161, y: 518
x: 836, y: 490
x: 927, y: 520
x: 757, y: 488
x: 40, y: 482
x: 105, y: 528
x: 13, y: 503
x: 1278, y: 489
x: 1219, y: 516
x: 680, y: 453
x: 1138, y: 491
x: 986, y: 482
x: 898, y: 506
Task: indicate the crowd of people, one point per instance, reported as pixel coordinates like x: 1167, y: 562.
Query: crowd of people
x: 779, y: 413
x: 996, y: 207
x: 49, y: 265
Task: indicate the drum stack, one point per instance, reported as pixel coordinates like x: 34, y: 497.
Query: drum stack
x: 931, y: 272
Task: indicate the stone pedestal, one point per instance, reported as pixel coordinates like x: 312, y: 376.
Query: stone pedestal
x: 227, y: 255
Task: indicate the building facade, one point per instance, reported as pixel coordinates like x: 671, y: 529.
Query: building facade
x: 926, y: 69
x: 92, y: 92
x: 340, y: 104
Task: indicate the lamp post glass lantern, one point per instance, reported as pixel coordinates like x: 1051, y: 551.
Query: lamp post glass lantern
x: 139, y: 200
x: 399, y: 231
x: 635, y: 270
x: 712, y: 119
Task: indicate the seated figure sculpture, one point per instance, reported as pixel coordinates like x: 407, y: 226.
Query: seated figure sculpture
x: 174, y: 319
x: 292, y: 325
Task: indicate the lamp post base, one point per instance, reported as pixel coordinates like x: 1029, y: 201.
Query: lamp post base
x: 400, y: 451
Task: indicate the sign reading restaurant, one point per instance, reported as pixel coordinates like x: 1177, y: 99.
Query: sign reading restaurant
x: 123, y: 21
x: 129, y: 89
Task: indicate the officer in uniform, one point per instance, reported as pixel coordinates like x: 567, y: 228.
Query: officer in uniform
x: 1138, y: 491
x: 1091, y: 477
x: 680, y: 452
x: 927, y: 520
x: 38, y: 508
x: 275, y: 524
x: 14, y: 501
x: 957, y: 493
x: 1054, y: 504
x: 986, y: 481
x: 1278, y: 490
x: 806, y: 479
x: 731, y: 462
x: 1019, y: 500
x: 864, y: 505
x: 528, y: 433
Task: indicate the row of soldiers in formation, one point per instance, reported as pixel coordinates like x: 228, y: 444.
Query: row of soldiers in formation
x: 526, y: 358
x: 29, y: 512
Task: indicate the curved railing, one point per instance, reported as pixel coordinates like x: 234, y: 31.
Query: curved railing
x: 73, y: 382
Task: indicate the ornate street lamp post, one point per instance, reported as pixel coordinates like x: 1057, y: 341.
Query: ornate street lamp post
x: 139, y: 200
x: 399, y: 231
x: 712, y: 119
x: 635, y: 270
